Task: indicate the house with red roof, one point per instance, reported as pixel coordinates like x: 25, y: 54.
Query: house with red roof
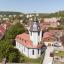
x: 6, y: 24
x: 3, y: 27
x: 49, y: 38
x: 57, y: 33
x: 2, y: 32
x: 30, y: 44
x: 49, y: 22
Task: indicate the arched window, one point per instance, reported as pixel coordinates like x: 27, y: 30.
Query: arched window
x: 32, y: 52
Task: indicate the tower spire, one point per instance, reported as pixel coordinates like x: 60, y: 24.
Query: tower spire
x: 36, y: 17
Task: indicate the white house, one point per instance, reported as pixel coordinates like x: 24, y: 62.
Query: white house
x: 29, y: 44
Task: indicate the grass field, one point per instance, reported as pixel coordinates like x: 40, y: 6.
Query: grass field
x: 25, y: 59
x: 60, y: 53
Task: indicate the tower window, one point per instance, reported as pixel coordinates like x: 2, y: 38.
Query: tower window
x: 32, y: 52
x: 31, y: 33
x: 38, y: 33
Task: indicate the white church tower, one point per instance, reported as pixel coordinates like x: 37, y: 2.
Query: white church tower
x: 35, y: 32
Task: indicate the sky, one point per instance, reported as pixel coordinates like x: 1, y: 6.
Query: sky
x: 31, y: 6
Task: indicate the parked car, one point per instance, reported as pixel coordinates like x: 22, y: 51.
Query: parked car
x: 57, y: 45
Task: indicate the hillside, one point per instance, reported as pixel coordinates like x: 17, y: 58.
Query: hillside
x: 56, y: 14
x: 9, y: 13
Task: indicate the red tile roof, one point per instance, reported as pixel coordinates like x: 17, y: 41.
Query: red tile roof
x: 24, y: 36
x: 47, y: 34
x: 6, y: 23
x: 45, y: 25
x: 2, y: 30
x: 25, y: 40
x: 56, y: 31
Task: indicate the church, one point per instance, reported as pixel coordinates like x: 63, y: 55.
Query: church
x: 30, y: 44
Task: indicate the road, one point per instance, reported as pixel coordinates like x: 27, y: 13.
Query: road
x: 47, y: 58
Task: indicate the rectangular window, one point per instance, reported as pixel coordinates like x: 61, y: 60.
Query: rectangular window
x: 38, y: 33
x: 38, y: 51
x: 32, y: 52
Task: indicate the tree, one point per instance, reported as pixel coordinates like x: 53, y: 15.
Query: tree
x: 25, y: 20
x: 62, y: 21
x: 14, y: 30
x: 4, y: 48
x: 8, y: 51
x: 14, y: 55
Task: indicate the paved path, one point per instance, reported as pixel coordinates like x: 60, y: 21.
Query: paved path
x: 47, y: 58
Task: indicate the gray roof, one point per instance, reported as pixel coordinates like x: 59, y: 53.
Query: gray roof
x: 35, y: 26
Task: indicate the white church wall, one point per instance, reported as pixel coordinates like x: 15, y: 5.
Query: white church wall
x: 17, y: 45
x: 27, y: 51
x: 36, y: 55
x: 35, y: 38
x: 22, y: 48
x: 40, y: 36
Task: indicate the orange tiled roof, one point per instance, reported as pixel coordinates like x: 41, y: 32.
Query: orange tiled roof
x: 47, y: 34
x: 55, y: 31
x: 44, y: 25
x: 25, y: 40
x: 2, y: 29
x: 6, y: 23
x: 24, y: 36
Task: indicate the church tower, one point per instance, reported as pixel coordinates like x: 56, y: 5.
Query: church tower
x: 35, y: 32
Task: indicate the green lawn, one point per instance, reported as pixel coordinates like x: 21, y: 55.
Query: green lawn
x: 25, y: 59
x: 60, y: 53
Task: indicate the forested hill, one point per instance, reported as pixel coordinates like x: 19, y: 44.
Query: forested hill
x: 56, y: 14
x: 9, y: 13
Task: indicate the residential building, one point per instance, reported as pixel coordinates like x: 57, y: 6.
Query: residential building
x: 49, y: 38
